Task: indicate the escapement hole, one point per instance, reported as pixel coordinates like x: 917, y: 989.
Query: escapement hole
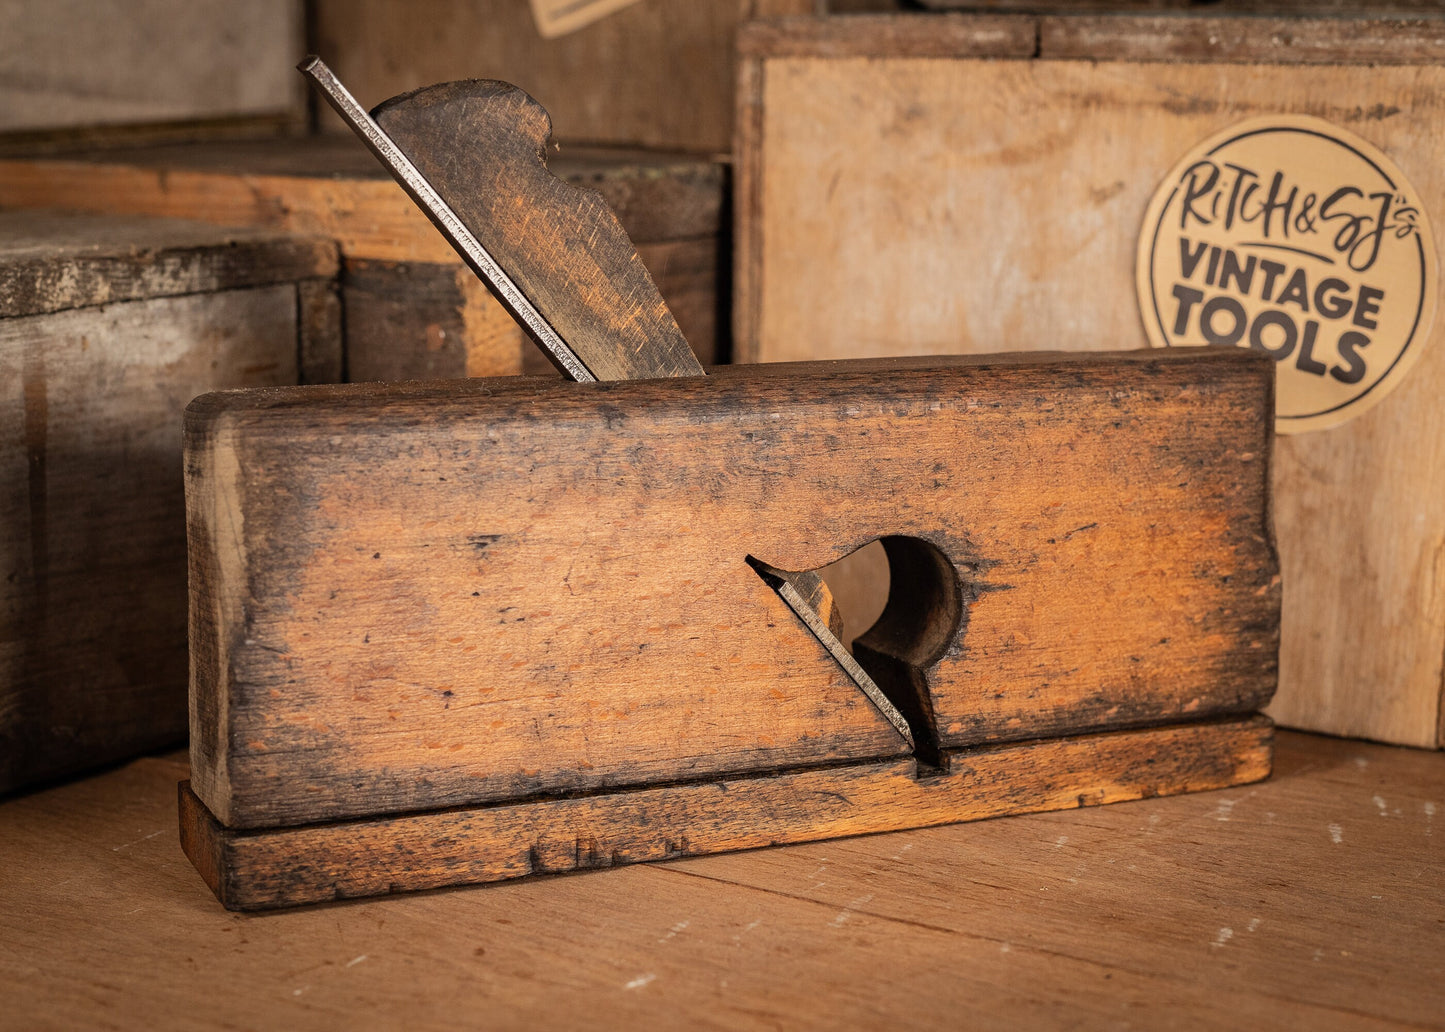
x: 901, y: 606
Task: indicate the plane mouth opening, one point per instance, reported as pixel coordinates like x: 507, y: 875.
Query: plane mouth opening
x: 887, y: 612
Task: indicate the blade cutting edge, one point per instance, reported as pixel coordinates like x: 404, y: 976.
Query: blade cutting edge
x: 444, y: 218
x: 787, y: 586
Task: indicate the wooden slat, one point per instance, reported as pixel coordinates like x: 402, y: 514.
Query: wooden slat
x: 944, y: 36
x: 318, y: 318
x: 51, y: 262
x: 1097, y: 917
x: 480, y: 145
x: 270, y: 868
x: 419, y: 320
x: 338, y: 191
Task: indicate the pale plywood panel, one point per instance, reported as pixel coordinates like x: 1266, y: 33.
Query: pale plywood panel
x: 981, y: 205
x: 907, y: 206
x: 72, y: 63
x: 1360, y: 516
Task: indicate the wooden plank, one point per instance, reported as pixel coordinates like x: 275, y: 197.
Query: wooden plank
x: 1015, y: 227
x: 264, y: 869
x: 669, y: 204
x: 514, y: 612
x: 658, y: 74
x: 1260, y: 40
x: 1357, y: 830
x: 93, y: 598
x: 862, y: 36
x: 73, y: 63
x: 51, y: 262
x: 1100, y: 917
x: 336, y: 190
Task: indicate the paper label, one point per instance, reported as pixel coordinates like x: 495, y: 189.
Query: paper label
x: 559, y: 17
x: 1291, y: 236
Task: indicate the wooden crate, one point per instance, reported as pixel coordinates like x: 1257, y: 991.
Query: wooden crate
x: 412, y: 310
x: 950, y: 183
x: 108, y: 327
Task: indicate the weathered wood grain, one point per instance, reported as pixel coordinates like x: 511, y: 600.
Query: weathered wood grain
x: 321, y: 357
x: 93, y: 599
x: 1353, y: 40
x: 264, y: 869
x: 108, y: 326
x: 866, y: 35
x: 422, y: 320
x: 1288, y: 904
x: 407, y: 597
x: 1013, y: 224
x: 481, y: 145
x: 51, y: 262
x: 425, y: 320
x: 669, y: 204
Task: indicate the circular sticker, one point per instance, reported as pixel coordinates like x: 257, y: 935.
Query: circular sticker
x: 1291, y: 236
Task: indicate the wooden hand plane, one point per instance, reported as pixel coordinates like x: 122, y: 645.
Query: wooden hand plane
x: 449, y: 633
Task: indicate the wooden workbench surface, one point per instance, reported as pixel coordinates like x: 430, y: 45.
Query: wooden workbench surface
x: 1315, y: 900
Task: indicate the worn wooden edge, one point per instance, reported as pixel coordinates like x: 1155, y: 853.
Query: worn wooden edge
x: 368, y: 215
x: 228, y: 128
x: 1177, y: 36
x: 84, y: 278
x: 890, y: 35
x: 1440, y: 717
x: 270, y: 868
x: 1243, y: 39
x: 747, y: 229
x: 199, y: 839
x: 833, y: 377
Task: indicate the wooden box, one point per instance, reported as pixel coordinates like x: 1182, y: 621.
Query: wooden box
x: 108, y: 327
x: 411, y: 309
x: 935, y: 183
